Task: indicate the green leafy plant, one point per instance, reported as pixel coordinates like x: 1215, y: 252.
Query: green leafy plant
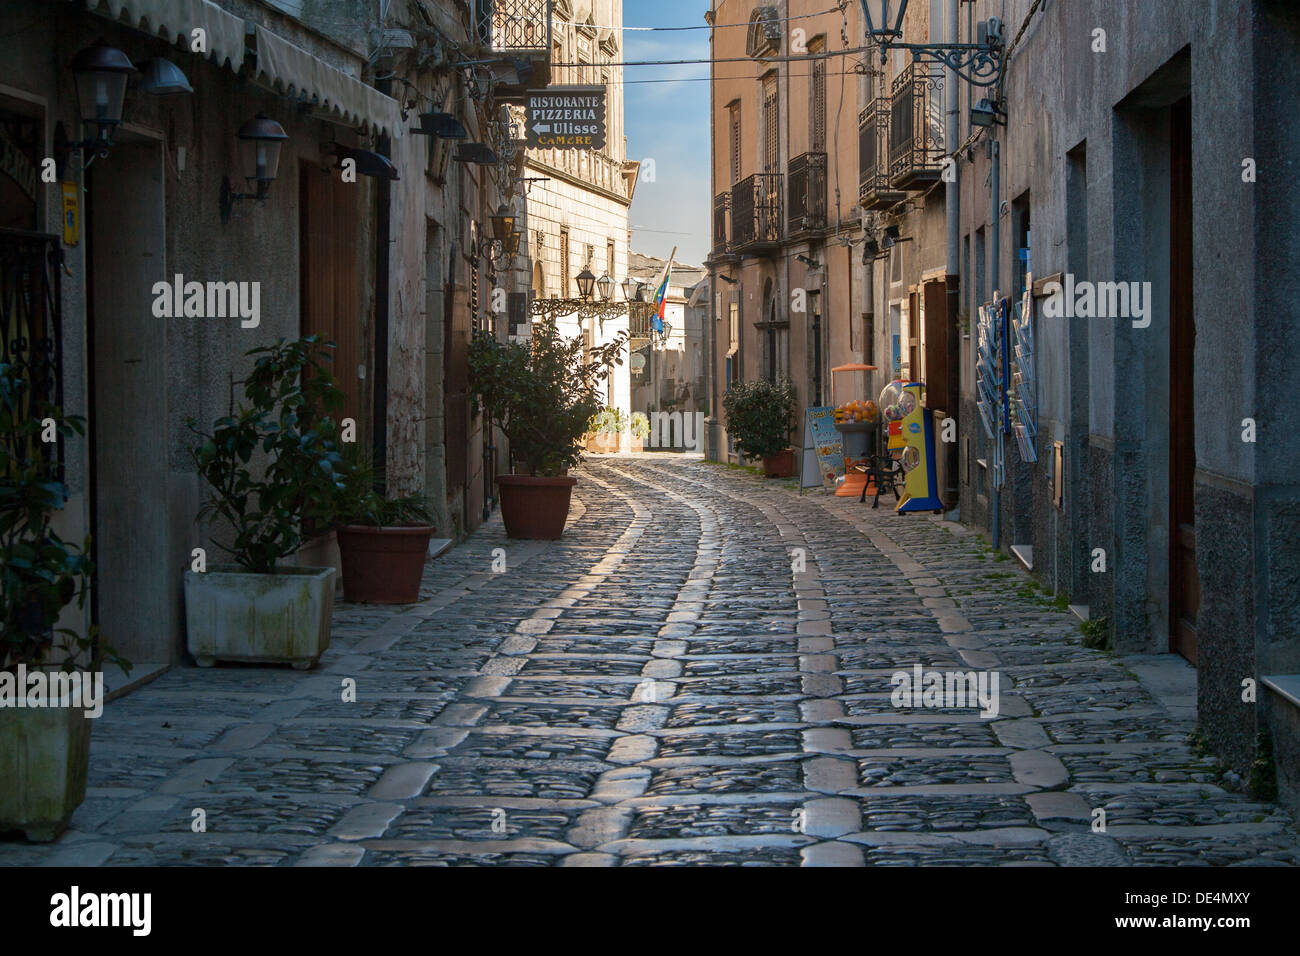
x: 41, y: 574
x: 609, y: 421
x: 640, y: 426
x: 1096, y: 633
x: 285, y: 418
x: 760, y: 416
x: 359, y: 500
x: 1263, y: 769
x: 542, y: 393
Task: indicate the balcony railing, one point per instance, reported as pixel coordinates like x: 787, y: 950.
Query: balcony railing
x: 874, y: 190
x: 520, y: 30
x: 807, y: 193
x: 31, y: 326
x: 916, y: 126
x: 721, y: 223
x: 756, y: 218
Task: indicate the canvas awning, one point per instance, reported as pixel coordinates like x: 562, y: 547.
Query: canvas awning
x: 289, y: 69
x: 175, y: 20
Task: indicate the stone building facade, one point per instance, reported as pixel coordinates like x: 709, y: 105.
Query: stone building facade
x: 393, y: 270
x: 574, y: 202
x: 1144, y: 146
x: 784, y: 262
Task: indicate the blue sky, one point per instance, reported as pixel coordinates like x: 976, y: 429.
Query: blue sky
x: 669, y: 123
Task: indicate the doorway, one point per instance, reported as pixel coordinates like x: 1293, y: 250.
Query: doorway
x: 1184, y: 582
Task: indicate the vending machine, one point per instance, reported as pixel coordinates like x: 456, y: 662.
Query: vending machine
x: 911, y: 432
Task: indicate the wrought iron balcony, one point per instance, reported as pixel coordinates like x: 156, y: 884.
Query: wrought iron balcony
x: 721, y: 223
x: 916, y: 126
x: 807, y: 193
x: 756, y: 219
x: 519, y: 32
x: 874, y: 190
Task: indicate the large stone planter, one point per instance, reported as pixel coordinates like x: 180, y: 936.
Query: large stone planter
x: 44, y: 755
x: 235, y: 615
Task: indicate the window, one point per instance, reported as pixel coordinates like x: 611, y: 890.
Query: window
x: 817, y: 99
x: 978, y: 288
x: 771, y: 129
x: 733, y: 338
x: 609, y: 258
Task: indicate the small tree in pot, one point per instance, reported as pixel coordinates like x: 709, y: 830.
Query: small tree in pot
x: 257, y: 609
x: 542, y: 394
x: 383, y: 541
x: 760, y: 416
x: 44, y: 746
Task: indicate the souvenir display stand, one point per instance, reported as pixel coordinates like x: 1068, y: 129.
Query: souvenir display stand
x: 858, y: 423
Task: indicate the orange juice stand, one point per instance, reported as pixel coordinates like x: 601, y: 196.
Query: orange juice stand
x: 860, y: 438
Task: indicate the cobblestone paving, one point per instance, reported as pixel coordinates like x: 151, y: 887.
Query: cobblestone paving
x: 665, y: 687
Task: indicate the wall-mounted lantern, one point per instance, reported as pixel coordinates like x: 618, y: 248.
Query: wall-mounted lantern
x: 260, y: 140
x: 606, y: 286
x: 100, y: 72
x: 502, y: 223
x: 512, y: 242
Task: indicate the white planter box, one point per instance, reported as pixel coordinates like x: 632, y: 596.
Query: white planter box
x: 235, y: 615
x: 44, y: 755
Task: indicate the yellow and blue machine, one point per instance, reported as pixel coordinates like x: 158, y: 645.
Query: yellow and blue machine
x: 916, y: 431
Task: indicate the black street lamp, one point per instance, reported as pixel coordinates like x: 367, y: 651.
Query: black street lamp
x: 979, y: 63
x: 606, y: 286
x: 586, y: 279
x: 884, y: 19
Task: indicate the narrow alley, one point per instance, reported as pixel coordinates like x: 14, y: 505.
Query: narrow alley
x: 698, y: 672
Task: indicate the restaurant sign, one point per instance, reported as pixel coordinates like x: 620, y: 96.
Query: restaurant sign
x: 566, y: 117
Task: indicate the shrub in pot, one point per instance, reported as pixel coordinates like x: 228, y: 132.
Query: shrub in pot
x: 383, y: 542
x: 542, y: 394
x: 254, y: 608
x: 45, y: 742
x: 639, y: 430
x: 604, y: 430
x: 760, y: 416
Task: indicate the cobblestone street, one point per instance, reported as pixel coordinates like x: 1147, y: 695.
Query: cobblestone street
x: 660, y: 687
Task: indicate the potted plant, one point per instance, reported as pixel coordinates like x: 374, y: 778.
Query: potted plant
x: 639, y: 431
x: 383, y: 541
x: 542, y: 394
x: 256, y: 609
x: 604, y: 430
x: 760, y: 417
x: 44, y: 750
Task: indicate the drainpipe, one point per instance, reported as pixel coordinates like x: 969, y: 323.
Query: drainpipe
x: 995, y: 237
x: 952, y: 204
x: 383, y: 236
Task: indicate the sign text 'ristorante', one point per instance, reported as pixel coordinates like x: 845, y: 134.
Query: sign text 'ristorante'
x: 566, y: 117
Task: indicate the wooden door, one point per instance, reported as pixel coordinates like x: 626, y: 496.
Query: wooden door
x: 935, y: 295
x: 1184, y: 583
x: 329, y: 284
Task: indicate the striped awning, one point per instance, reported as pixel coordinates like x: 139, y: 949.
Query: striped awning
x: 176, y: 20
x: 289, y: 69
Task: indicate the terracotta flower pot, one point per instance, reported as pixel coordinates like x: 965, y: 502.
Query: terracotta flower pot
x: 535, y: 507
x: 780, y: 465
x: 383, y: 565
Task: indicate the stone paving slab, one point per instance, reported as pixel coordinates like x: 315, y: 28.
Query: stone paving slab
x: 701, y: 672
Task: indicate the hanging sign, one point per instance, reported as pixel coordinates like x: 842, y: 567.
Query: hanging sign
x: 823, y: 449
x: 565, y: 117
